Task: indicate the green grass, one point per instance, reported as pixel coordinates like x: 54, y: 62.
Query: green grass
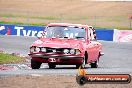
x: 20, y: 23
x: 118, y: 27
x: 7, y: 58
x: 30, y: 17
x: 42, y: 24
x: 117, y: 20
x: 45, y: 18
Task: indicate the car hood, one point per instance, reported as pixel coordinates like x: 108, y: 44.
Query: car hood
x: 59, y: 43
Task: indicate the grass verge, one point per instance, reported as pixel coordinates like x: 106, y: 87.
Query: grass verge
x: 42, y: 24
x: 8, y: 58
x: 20, y: 23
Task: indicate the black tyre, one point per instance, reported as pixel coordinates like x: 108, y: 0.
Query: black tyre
x: 51, y: 66
x: 35, y: 64
x: 94, y: 64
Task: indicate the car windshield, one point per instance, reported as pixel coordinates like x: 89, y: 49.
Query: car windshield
x: 65, y: 32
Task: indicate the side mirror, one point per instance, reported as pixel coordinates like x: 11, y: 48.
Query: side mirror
x: 94, y: 40
x: 101, y: 54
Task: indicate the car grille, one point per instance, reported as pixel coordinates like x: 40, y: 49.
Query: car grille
x: 55, y: 50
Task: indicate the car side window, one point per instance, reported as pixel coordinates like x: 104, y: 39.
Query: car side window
x: 91, y: 35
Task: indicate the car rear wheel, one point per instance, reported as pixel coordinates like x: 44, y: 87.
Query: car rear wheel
x: 35, y: 64
x: 94, y: 64
x: 51, y: 66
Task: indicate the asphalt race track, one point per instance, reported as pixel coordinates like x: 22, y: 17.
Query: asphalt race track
x: 117, y: 58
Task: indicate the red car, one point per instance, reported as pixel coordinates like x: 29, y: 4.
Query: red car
x: 66, y: 44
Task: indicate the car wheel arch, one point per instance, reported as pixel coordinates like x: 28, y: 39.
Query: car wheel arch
x: 86, y: 57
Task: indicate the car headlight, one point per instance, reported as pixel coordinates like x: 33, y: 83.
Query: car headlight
x: 72, y: 51
x: 78, y: 51
x: 37, y: 49
x: 43, y: 49
x: 66, y: 51
x: 32, y: 49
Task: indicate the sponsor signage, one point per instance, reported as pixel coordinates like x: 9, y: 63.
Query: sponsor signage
x: 104, y: 34
x: 21, y: 30
x: 122, y: 36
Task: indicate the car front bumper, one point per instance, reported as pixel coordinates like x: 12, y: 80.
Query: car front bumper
x: 57, y: 58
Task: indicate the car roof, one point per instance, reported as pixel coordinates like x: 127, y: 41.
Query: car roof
x: 67, y: 24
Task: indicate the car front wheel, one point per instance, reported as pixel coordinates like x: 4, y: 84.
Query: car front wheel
x: 51, y: 66
x: 35, y: 64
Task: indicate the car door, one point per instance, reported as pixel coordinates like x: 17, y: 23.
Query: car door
x: 93, y: 46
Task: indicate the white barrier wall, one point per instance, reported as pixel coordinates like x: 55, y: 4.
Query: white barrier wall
x: 122, y: 35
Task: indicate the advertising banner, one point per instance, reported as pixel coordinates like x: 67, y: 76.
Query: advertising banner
x: 104, y: 34
x: 21, y: 30
x: 122, y: 36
